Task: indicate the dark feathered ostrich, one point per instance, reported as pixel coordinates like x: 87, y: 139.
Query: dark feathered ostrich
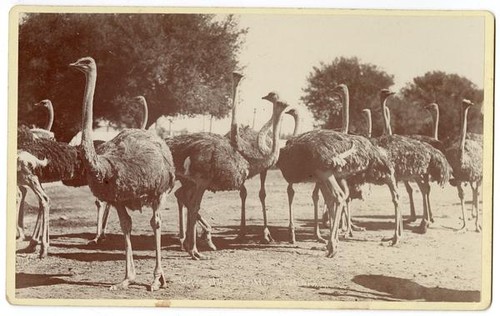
x: 413, y: 160
x: 328, y: 158
x: 216, y: 163
x: 103, y: 208
x: 466, y: 158
x: 132, y: 170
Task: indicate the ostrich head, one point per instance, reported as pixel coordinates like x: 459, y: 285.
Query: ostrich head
x: 272, y: 97
x: 466, y: 104
x: 385, y: 93
x: 140, y: 99
x: 45, y: 103
x: 85, y: 65
x: 431, y: 107
x: 341, y: 90
x: 293, y: 112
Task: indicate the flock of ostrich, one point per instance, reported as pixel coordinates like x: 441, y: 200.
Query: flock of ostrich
x: 137, y: 169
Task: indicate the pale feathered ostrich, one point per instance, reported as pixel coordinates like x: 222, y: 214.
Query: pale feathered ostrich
x: 206, y: 161
x: 413, y: 160
x: 45, y: 132
x: 329, y: 157
x: 41, y: 160
x: 466, y: 158
x: 132, y: 170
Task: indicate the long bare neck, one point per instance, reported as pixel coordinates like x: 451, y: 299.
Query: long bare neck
x: 463, y: 130
x: 369, y: 123
x: 387, y: 119
x: 345, y: 113
x: 435, y: 121
x: 298, y: 124
x: 235, y: 134
x: 263, y: 135
x: 277, y: 120
x: 145, y: 114
x: 87, y: 142
x: 51, y: 117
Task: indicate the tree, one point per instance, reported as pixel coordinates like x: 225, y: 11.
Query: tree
x: 181, y: 63
x: 364, y: 82
x: 447, y: 90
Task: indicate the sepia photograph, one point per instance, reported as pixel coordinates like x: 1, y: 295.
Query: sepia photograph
x: 290, y: 158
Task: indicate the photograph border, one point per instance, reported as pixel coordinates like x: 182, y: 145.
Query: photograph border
x: 488, y: 111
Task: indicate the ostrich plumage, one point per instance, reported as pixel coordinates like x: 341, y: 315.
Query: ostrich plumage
x: 219, y: 163
x: 413, y: 160
x: 466, y: 158
x: 328, y: 157
x: 132, y: 170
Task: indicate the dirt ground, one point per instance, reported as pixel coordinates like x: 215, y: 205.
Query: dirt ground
x: 442, y: 265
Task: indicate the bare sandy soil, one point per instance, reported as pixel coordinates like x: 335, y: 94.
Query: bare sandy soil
x: 442, y: 265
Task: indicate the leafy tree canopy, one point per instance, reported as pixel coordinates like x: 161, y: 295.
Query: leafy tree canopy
x: 181, y: 63
x: 364, y: 82
x: 447, y: 90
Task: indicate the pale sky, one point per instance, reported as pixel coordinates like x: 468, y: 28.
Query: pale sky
x: 280, y: 51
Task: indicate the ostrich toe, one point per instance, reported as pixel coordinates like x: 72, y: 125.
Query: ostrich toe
x: 159, y: 282
x: 266, y: 237
x: 123, y: 285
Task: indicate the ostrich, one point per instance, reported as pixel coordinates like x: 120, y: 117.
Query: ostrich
x: 465, y: 156
x: 41, y: 160
x: 103, y: 208
x: 328, y: 157
x: 132, y: 170
x: 215, y: 163
x: 413, y: 160
x: 34, y: 133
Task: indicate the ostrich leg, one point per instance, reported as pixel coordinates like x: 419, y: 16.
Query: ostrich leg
x: 42, y: 226
x: 126, y: 225
x: 409, y: 190
x: 243, y: 224
x: 424, y: 189
x: 182, y: 232
x: 460, y: 190
x: 398, y: 231
x: 266, y: 238
x: 21, y: 196
x: 159, y: 276
x: 475, y: 202
x: 193, y: 205
x: 335, y: 199
x: 291, y: 226
x: 102, y: 222
x: 315, y: 199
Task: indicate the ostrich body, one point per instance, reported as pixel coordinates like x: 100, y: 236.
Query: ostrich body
x: 328, y: 157
x: 413, y: 160
x: 216, y: 163
x: 466, y: 158
x: 132, y: 170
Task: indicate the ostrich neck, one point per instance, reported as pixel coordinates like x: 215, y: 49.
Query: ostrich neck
x: 387, y: 119
x: 145, y: 113
x: 51, y: 118
x: 235, y: 134
x: 298, y: 123
x: 87, y: 143
x: 463, y: 131
x: 277, y: 120
x: 263, y: 135
x: 345, y: 113
x: 435, y: 118
x: 369, y: 123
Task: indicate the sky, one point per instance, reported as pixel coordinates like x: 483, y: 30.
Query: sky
x: 281, y: 50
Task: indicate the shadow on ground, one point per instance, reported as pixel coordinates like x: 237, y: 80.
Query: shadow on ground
x: 405, y: 289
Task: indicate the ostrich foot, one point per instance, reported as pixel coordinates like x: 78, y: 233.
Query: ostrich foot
x: 410, y: 219
x: 357, y: 228
x: 478, y: 228
x: 331, y: 250
x: 462, y: 229
x: 96, y: 241
x: 394, y: 240
x: 266, y: 237
x: 123, y: 285
x: 44, y: 251
x: 207, y: 237
x: 158, y: 282
x: 422, y: 229
x: 320, y: 239
x: 195, y: 255
x: 182, y: 244
x: 291, y: 235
